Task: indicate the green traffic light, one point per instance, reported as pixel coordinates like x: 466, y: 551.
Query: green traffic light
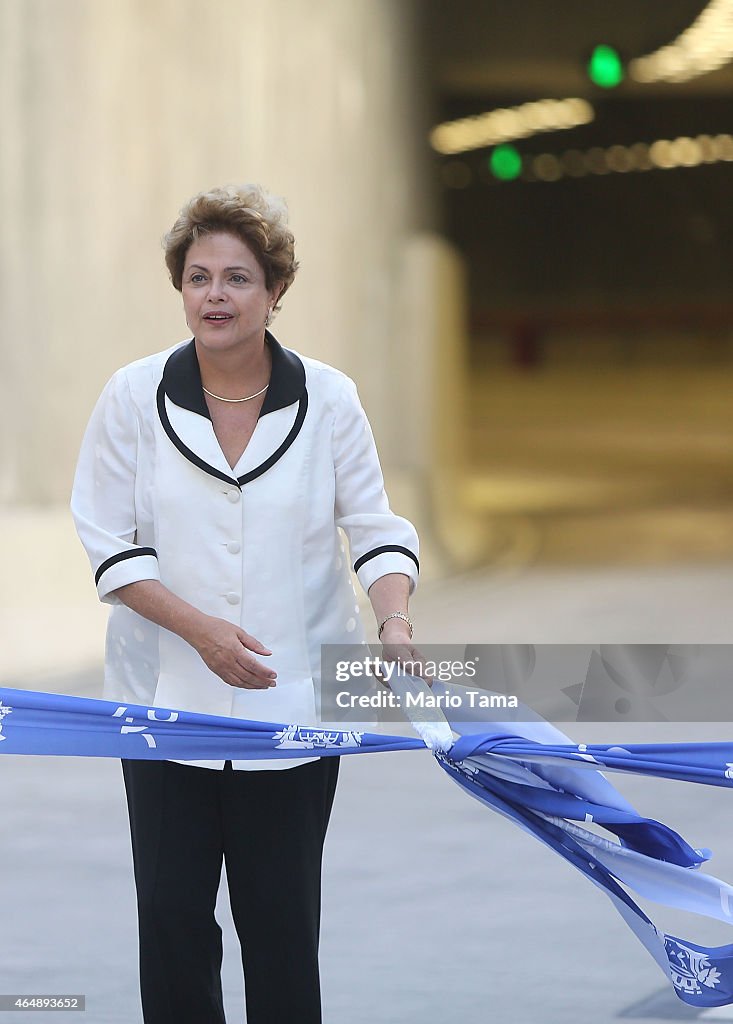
x: 505, y: 163
x: 605, y: 67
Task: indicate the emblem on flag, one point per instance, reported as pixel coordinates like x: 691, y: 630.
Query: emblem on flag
x: 689, y: 969
x: 308, y: 739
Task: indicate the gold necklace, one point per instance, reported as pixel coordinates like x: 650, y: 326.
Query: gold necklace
x: 247, y: 399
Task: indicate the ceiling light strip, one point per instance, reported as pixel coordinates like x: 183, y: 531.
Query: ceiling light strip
x: 507, y: 124
x: 705, y: 46
x: 663, y: 154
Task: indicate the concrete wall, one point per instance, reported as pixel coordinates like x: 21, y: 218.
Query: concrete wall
x: 115, y: 112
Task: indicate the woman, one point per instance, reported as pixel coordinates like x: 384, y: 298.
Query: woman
x: 212, y: 482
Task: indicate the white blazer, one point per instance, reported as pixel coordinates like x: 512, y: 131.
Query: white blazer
x: 258, y: 545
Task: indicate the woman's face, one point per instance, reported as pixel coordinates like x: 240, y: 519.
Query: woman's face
x: 224, y: 293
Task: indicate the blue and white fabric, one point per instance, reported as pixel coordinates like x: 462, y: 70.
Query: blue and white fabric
x: 526, y: 770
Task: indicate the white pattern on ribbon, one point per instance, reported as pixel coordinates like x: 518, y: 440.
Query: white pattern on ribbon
x: 688, y: 969
x: 142, y: 729
x: 295, y: 736
x: 4, y: 710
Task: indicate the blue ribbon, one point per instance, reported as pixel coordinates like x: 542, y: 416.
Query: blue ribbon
x: 517, y: 769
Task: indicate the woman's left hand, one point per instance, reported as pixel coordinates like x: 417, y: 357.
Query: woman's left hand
x: 398, y: 647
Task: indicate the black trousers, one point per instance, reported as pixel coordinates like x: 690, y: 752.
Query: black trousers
x: 269, y: 828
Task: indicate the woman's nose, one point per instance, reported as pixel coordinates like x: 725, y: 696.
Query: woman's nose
x: 216, y: 288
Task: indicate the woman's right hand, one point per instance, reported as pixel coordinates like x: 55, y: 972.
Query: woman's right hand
x: 224, y: 648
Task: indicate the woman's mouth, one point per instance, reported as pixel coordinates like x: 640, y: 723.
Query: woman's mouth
x: 217, y: 318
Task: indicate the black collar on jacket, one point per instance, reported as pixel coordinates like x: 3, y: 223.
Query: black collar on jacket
x: 182, y: 379
x: 180, y: 393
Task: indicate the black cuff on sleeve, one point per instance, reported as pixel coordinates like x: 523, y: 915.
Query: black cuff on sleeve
x: 109, y: 562
x: 382, y: 550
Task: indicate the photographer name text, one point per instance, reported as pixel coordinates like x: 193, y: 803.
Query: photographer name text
x: 430, y: 701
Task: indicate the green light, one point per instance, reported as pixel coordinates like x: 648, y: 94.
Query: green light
x: 605, y: 67
x: 505, y: 163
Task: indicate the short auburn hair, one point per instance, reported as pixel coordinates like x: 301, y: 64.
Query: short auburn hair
x: 249, y: 213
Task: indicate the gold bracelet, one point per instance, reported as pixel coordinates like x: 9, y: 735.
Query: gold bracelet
x: 393, y: 615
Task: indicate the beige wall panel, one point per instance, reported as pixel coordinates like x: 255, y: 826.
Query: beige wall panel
x: 116, y: 111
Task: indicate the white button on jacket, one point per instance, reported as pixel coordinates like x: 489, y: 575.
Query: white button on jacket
x: 155, y: 498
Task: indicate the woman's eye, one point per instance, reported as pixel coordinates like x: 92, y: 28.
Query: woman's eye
x: 238, y: 279
x: 195, y: 278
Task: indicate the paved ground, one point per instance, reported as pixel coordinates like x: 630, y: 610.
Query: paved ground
x: 434, y: 908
